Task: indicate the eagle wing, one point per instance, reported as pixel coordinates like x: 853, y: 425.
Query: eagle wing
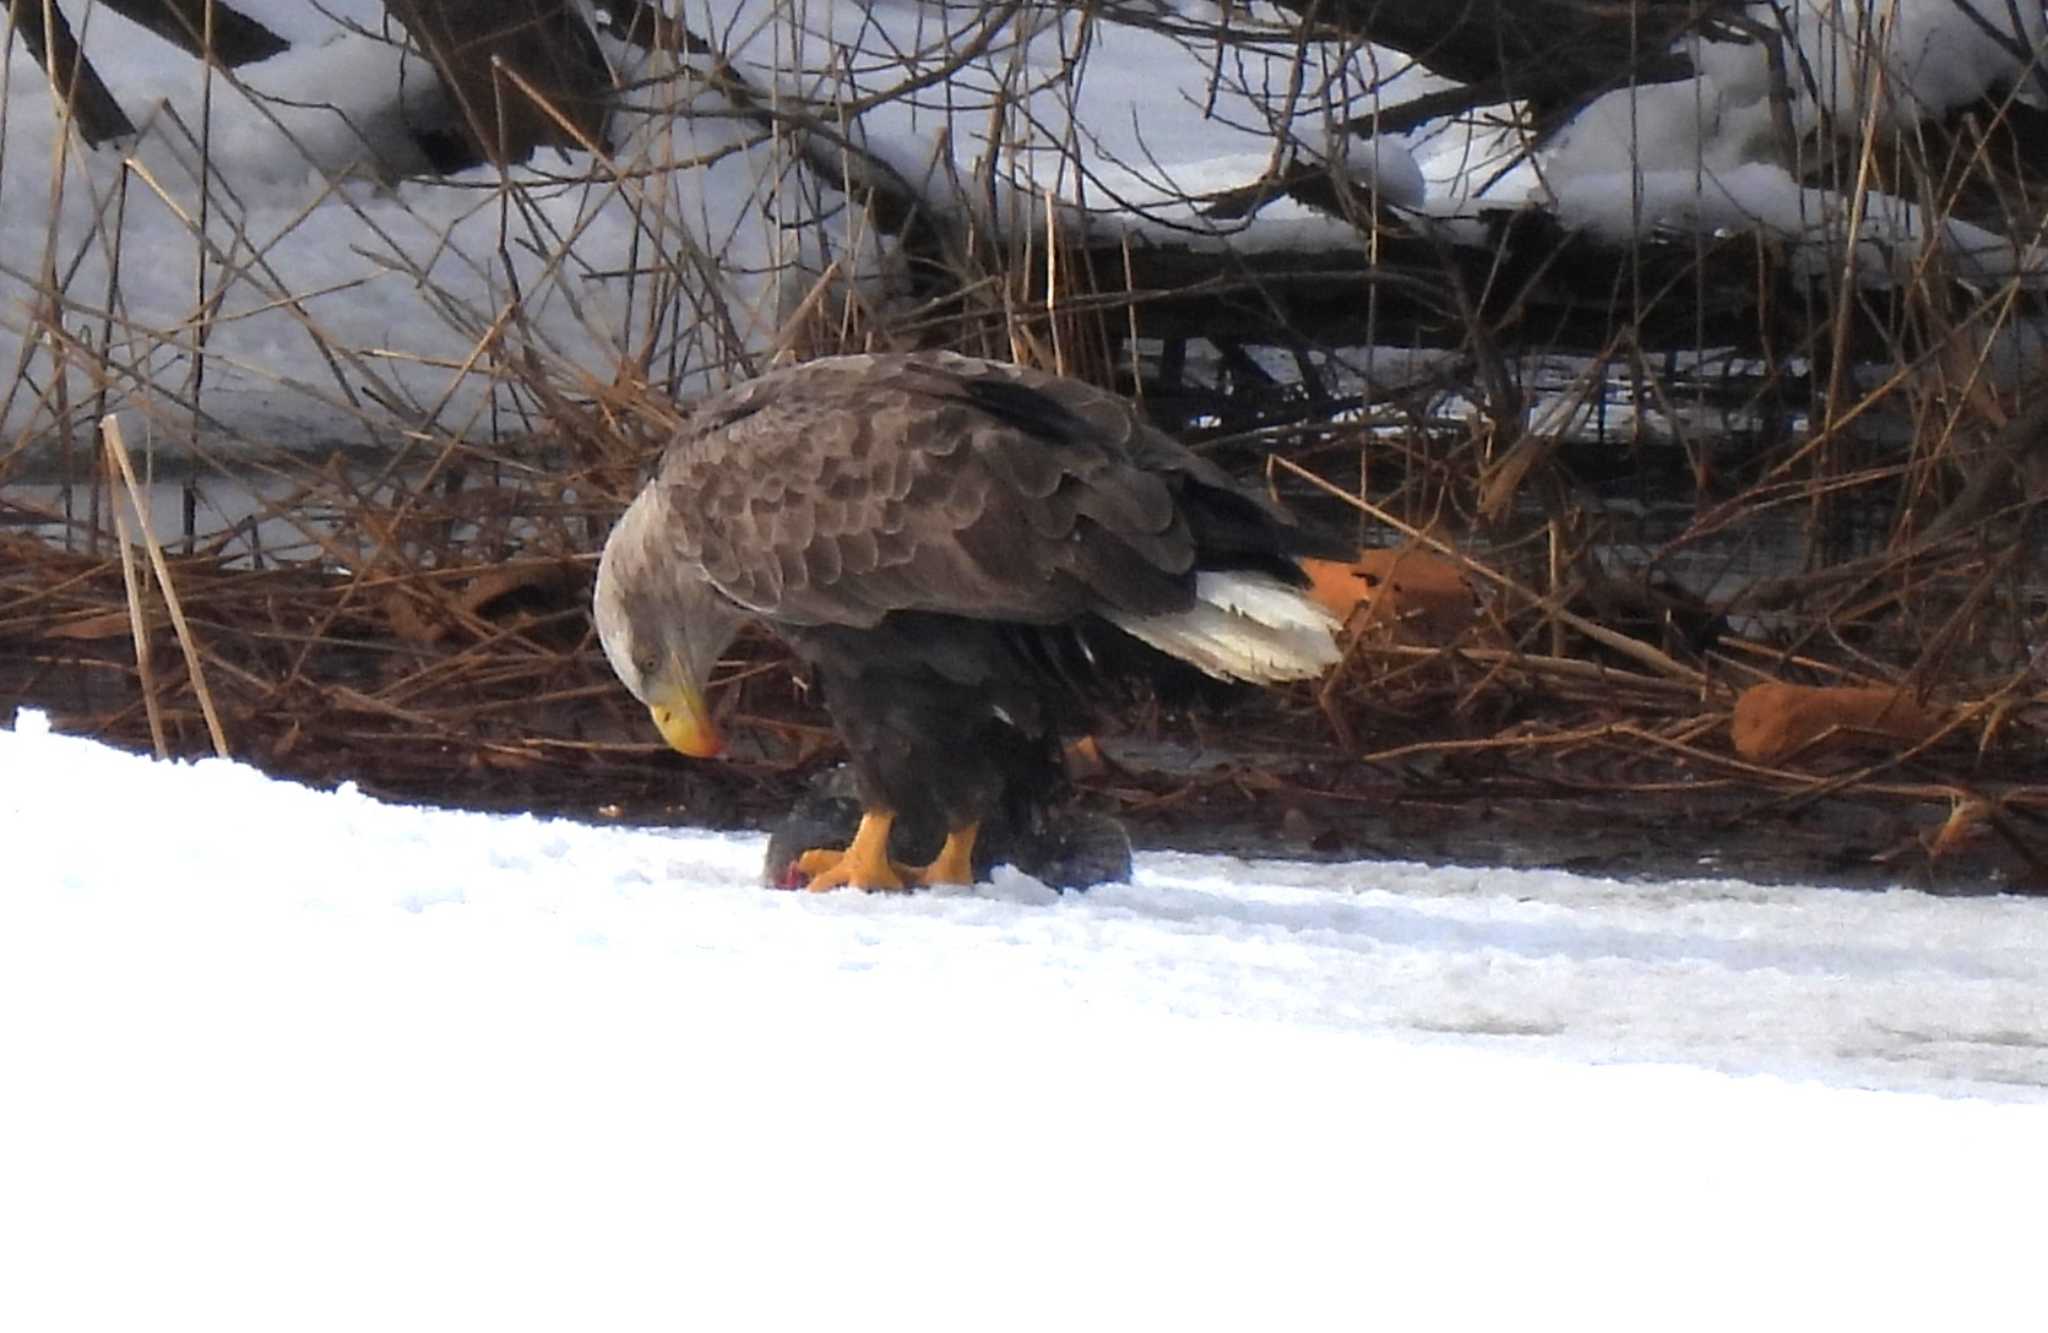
x: 837, y: 492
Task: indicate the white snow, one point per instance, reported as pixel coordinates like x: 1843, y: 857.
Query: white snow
x: 1894, y: 241
x: 282, y: 1058
x: 307, y: 228
x: 279, y: 1058
x: 1898, y: 60
x: 1711, y: 153
x: 402, y: 278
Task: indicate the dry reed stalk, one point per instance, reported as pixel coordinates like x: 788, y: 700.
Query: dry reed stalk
x: 138, y: 628
x: 799, y: 326
x: 117, y: 455
x: 1540, y: 665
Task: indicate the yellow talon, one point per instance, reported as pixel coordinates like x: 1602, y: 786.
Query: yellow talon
x: 955, y: 862
x: 865, y: 863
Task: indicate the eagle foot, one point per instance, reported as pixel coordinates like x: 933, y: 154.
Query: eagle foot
x: 865, y: 863
x: 824, y: 868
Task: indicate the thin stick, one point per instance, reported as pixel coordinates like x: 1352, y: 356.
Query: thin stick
x: 138, y: 629
x: 117, y: 454
x: 793, y: 328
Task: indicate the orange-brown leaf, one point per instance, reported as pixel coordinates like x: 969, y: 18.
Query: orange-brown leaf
x: 1966, y: 821
x: 1417, y: 595
x: 1775, y: 719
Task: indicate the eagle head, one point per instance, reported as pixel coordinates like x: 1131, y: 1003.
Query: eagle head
x: 662, y: 623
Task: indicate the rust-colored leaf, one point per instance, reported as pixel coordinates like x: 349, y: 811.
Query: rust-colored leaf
x: 1774, y: 720
x: 1413, y: 594
x: 1967, y: 820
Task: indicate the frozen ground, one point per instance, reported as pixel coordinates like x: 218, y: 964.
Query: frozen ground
x: 275, y: 1058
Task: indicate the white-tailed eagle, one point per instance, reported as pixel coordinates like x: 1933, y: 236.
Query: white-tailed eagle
x: 967, y: 554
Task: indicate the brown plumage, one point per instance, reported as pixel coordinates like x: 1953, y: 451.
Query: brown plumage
x: 963, y: 550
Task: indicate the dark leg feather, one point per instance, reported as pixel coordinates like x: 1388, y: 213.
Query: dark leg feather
x: 947, y: 725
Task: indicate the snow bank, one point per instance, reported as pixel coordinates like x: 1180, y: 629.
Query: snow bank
x: 1894, y: 242
x: 1711, y: 153
x: 353, y: 294
x: 308, y: 226
x: 285, y: 1058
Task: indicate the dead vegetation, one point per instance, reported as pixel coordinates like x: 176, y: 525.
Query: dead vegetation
x: 1843, y: 600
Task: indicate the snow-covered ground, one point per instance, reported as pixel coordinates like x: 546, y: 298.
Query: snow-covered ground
x: 278, y: 1058
x: 273, y: 1058
x: 402, y: 278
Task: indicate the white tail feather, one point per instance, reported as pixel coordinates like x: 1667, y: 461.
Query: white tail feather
x: 1244, y: 626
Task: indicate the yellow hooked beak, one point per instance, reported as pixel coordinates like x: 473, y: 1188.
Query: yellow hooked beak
x: 685, y: 723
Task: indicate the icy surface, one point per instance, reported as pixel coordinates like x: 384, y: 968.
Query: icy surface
x: 277, y: 1057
